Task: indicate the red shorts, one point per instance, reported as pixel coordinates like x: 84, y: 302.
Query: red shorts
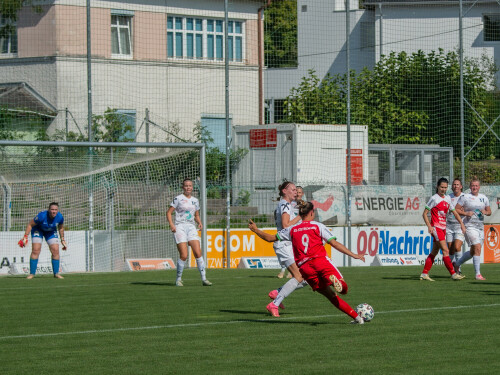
x: 317, y: 271
x: 439, y: 234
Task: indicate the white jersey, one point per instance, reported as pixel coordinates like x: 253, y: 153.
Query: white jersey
x: 185, y: 208
x: 474, y: 203
x: 284, y: 207
x: 451, y: 221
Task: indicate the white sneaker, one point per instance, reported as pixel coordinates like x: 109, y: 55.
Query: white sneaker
x: 358, y: 320
x: 178, y: 283
x: 456, y: 276
x: 425, y: 276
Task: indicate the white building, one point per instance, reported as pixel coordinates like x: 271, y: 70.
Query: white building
x: 163, y: 60
x: 382, y: 26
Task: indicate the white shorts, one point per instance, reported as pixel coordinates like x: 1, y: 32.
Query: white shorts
x: 284, y: 252
x: 50, y: 241
x: 185, y: 232
x: 453, y: 234
x: 474, y: 236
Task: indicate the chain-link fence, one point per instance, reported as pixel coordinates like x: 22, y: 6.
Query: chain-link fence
x: 420, y: 100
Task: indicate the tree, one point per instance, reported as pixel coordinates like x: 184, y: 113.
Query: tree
x: 280, y: 35
x: 406, y: 98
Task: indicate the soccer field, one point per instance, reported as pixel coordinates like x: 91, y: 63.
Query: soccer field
x: 140, y: 323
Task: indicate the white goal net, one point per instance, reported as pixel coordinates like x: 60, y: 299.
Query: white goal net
x: 113, y: 199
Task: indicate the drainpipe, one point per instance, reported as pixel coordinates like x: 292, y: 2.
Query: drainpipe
x: 261, y: 60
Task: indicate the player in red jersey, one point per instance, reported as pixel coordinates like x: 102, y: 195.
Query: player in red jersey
x: 311, y: 258
x: 439, y: 205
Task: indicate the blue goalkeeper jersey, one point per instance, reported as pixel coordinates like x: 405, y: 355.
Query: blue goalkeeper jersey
x: 45, y: 224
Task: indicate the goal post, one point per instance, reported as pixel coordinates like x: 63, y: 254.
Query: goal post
x: 113, y: 196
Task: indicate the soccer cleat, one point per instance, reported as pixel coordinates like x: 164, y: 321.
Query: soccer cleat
x: 30, y: 276
x: 480, y: 277
x: 206, y: 283
x: 178, y: 283
x: 273, y: 310
x: 289, y: 276
x: 273, y: 294
x: 358, y: 320
x: 57, y: 276
x: 425, y: 276
x: 281, y: 275
x: 456, y: 276
x: 337, y: 285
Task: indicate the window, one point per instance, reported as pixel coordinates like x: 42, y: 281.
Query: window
x: 198, y: 38
x: 127, y: 120
x: 491, y: 27
x: 216, y: 125
x: 121, y: 33
x: 8, y: 43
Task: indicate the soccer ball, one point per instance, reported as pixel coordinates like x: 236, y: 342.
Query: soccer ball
x: 365, y: 311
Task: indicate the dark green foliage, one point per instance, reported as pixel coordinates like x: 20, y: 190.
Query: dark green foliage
x: 413, y: 99
x: 280, y: 35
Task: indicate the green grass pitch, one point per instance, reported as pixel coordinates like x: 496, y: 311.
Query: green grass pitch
x: 140, y: 323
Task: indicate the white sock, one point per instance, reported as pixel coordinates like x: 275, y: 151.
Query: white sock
x: 286, y: 290
x: 180, y: 267
x: 201, y: 267
x: 458, y: 255
x: 476, y: 259
x: 452, y: 257
x: 464, y: 258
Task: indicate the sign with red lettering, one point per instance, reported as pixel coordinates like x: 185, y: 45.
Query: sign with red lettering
x: 263, y: 138
x: 356, y: 166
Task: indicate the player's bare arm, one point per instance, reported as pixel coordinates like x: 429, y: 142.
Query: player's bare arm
x: 169, y: 218
x: 459, y: 219
x: 198, y: 220
x: 265, y: 236
x: 427, y: 222
x: 24, y: 241
x: 61, y: 236
x: 344, y: 250
x: 460, y: 210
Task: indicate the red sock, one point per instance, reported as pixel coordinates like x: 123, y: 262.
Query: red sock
x: 428, y: 263
x: 449, y: 265
x: 344, y: 287
x: 343, y: 306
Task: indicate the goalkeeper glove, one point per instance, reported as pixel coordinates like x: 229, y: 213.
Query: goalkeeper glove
x: 24, y: 241
x: 63, y: 243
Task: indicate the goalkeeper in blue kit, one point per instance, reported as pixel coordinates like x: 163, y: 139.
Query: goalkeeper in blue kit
x: 46, y: 224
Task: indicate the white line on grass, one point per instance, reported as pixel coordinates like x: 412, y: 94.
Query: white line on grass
x: 187, y: 325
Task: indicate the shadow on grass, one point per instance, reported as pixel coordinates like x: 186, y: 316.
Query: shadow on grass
x: 271, y: 320
x: 268, y: 277
x: 415, y: 277
x: 155, y: 283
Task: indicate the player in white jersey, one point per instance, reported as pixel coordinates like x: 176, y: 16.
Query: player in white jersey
x: 454, y: 236
x: 473, y: 206
x: 285, y: 216
x: 295, y: 208
x: 187, y: 212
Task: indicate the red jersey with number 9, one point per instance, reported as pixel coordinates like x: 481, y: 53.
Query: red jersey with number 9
x: 307, y: 240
